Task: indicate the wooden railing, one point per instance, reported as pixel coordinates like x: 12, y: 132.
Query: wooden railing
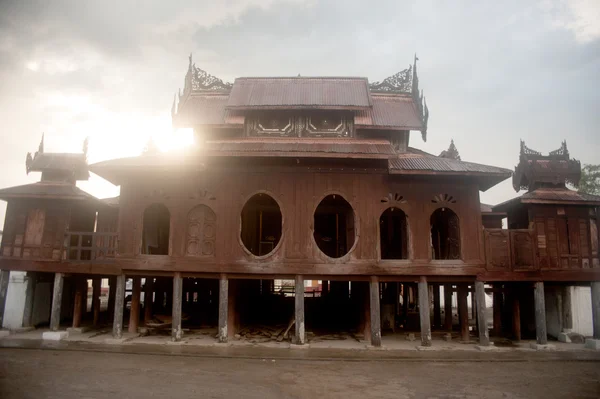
x: 510, y: 250
x: 90, y: 247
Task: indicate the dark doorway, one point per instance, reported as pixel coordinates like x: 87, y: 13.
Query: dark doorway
x: 393, y: 234
x: 261, y: 224
x: 156, y: 230
x: 445, y: 234
x: 334, y: 226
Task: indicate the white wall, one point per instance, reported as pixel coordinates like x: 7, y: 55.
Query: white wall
x: 15, y: 300
x: 581, y: 300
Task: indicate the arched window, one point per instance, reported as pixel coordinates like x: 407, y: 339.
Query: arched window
x: 261, y: 224
x: 201, y: 231
x: 334, y: 226
x: 156, y: 229
x: 393, y: 234
x: 445, y: 234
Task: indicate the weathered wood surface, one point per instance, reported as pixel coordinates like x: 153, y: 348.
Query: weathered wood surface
x: 57, y: 293
x: 463, y: 312
x: 424, y: 312
x: 484, y: 336
x: 119, y: 307
x: 596, y: 309
x: 540, y: 314
x: 134, y: 312
x: 300, y: 328
x: 375, y: 312
x: 223, y: 307
x: 177, y: 332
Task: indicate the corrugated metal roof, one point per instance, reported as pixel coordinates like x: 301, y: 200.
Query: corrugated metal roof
x: 416, y: 160
x: 300, y: 92
x: 207, y: 110
x: 70, y: 162
x: 390, y: 111
x: 49, y: 190
x: 550, y: 195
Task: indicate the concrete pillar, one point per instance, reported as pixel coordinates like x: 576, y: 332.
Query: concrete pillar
x: 448, y: 307
x: 516, y: 314
x: 29, y: 297
x: 540, y: 314
x: 119, y: 305
x: 134, y: 313
x: 424, y: 312
x: 4, y: 277
x: 78, y: 303
x: 148, y: 299
x: 463, y: 312
x: 96, y: 290
x: 299, y: 337
x: 596, y: 309
x: 56, y: 301
x: 484, y: 336
x: 437, y: 312
x: 223, y: 307
x: 375, y: 312
x: 176, y: 331
x: 497, y: 309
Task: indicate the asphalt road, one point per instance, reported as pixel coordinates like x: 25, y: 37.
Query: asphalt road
x: 37, y: 373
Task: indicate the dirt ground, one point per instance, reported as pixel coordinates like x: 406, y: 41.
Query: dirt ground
x: 35, y: 373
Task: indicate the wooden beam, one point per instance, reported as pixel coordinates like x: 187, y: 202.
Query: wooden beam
x: 57, y: 293
x: 375, y: 312
x: 484, y: 336
x: 448, y: 307
x: 424, y: 306
x: 541, y: 334
x: 463, y: 312
x: 119, y: 306
x: 134, y: 312
x: 299, y: 337
x: 177, y: 332
x: 223, y: 307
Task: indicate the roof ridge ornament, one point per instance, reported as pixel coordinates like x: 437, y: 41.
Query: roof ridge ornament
x: 401, y: 82
x: 562, y: 151
x: 197, y: 79
x: 451, y: 152
x: 528, y: 151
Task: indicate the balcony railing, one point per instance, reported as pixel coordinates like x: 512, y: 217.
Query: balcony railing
x: 82, y: 246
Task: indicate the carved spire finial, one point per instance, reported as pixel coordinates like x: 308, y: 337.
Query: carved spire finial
x: 174, y: 106
x: 85, y: 146
x: 41, y: 147
x: 451, y: 152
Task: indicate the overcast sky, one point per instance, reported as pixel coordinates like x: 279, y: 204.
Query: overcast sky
x: 493, y: 72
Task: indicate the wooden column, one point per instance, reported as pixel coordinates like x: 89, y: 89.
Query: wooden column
x: 324, y: 287
x: 540, y: 314
x: 96, y: 289
x: 375, y: 312
x: 176, y: 332
x: 148, y: 299
x: 424, y: 312
x: 498, y: 303
x: 596, y: 309
x: 448, y: 307
x: 223, y: 307
x: 112, y: 289
x: 473, y: 306
x: 484, y: 336
x: 299, y: 337
x: 134, y: 313
x: 567, y: 310
x: 516, y: 314
x: 29, y: 298
x: 119, y: 305
x: 4, y: 277
x: 78, y: 303
x: 437, y: 313
x: 405, y: 299
x: 232, y: 317
x: 365, y: 289
x: 463, y: 312
x: 56, y: 301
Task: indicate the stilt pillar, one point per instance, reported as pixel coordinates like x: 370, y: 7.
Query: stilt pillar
x: 119, y: 306
x: 176, y: 332
x: 148, y: 299
x: 540, y: 314
x: 112, y: 289
x: 448, y: 307
x: 29, y: 297
x: 78, y: 303
x: 4, y: 277
x: 516, y: 314
x: 424, y: 312
x: 484, y: 336
x: 463, y: 312
x: 497, y: 309
x: 299, y: 337
x: 405, y: 299
x: 134, y: 313
x: 223, y: 307
x: 96, y: 289
x: 437, y: 313
x: 375, y: 312
x: 232, y: 316
x: 56, y: 301
x: 324, y: 287
x: 596, y: 309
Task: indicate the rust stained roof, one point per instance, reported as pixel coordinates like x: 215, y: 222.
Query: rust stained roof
x: 300, y: 92
x: 551, y: 196
x: 207, y: 110
x: 46, y: 190
x: 390, y: 111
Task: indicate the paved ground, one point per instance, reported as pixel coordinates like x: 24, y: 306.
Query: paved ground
x: 76, y: 371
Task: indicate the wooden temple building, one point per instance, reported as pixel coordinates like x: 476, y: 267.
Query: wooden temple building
x: 302, y: 178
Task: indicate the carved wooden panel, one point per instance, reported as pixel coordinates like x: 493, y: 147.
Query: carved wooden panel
x: 201, y: 232
x: 272, y: 124
x: 497, y: 249
x: 326, y: 125
x: 522, y: 250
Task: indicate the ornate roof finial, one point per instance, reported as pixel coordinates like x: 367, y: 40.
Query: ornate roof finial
x: 451, y: 152
x: 425, y: 119
x: 528, y: 151
x: 415, y: 78
x: 190, y: 64
x: 85, y: 146
x: 28, y: 162
x: 41, y: 147
x: 174, y: 106
x: 562, y: 151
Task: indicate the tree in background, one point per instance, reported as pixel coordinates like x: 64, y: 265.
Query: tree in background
x: 590, y: 180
